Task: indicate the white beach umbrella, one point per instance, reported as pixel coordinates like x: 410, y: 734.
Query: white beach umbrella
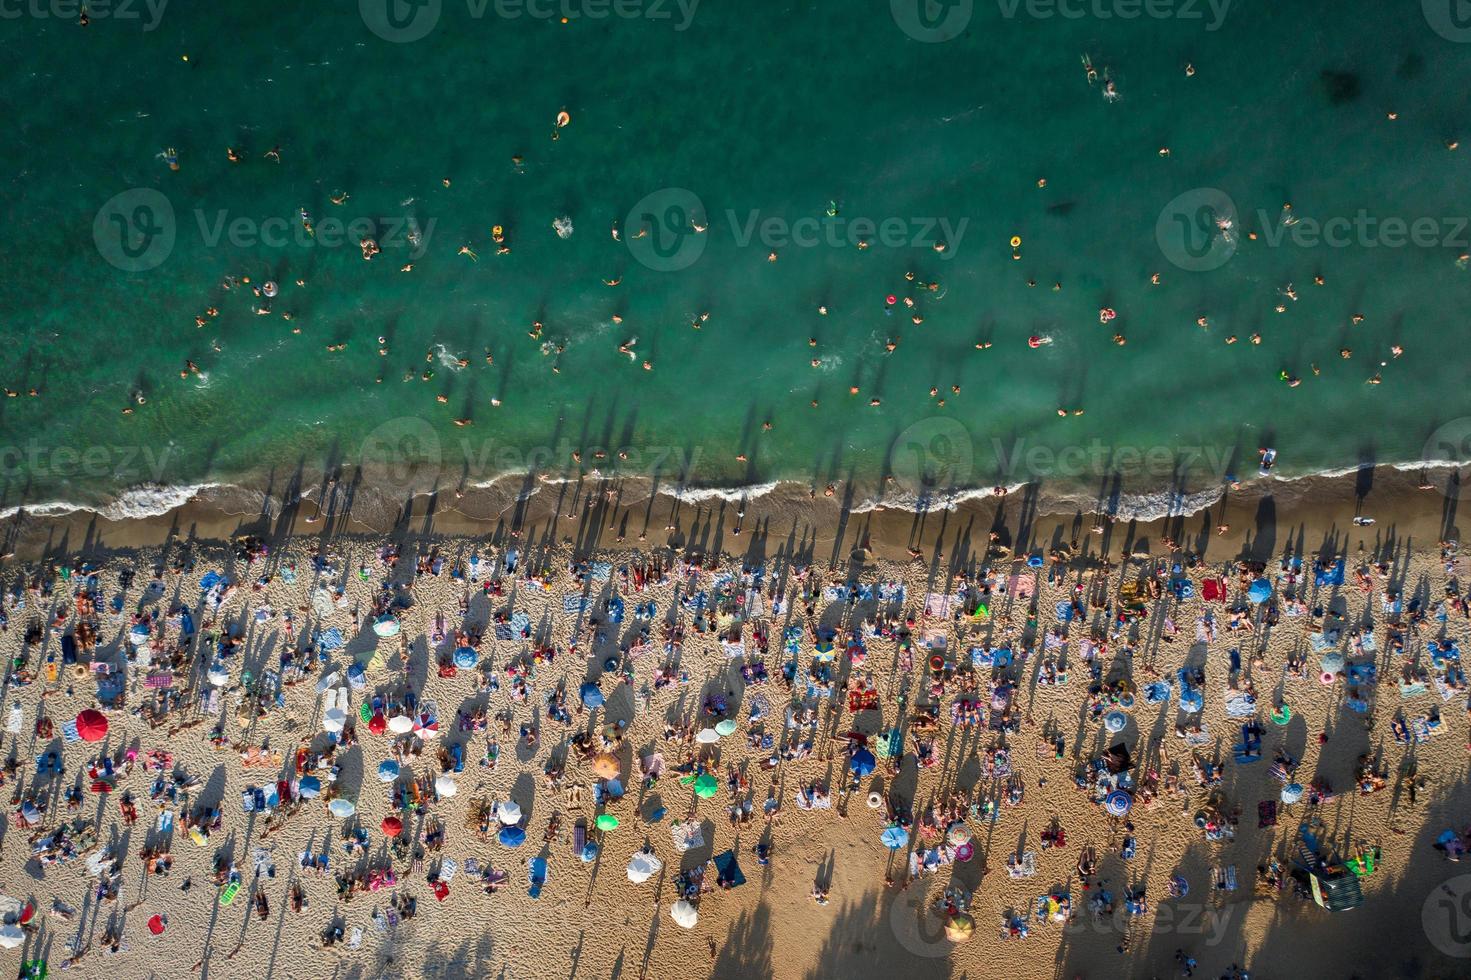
x: 708, y: 736
x: 218, y: 676
x: 400, y: 724
x: 684, y: 914
x: 342, y: 808
x: 445, y: 786
x: 643, y: 866
x: 334, y: 720
x: 11, y: 936
x: 508, y: 813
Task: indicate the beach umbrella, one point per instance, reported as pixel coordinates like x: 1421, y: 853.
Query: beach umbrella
x: 157, y: 924
x: 334, y: 720
x: 387, y: 771
x: 589, y: 852
x: 445, y: 785
x: 964, y: 852
x: 959, y: 928
x: 725, y: 726
x: 91, y: 725
x: 508, y: 813
x: 643, y: 866
x: 1117, y: 803
x: 11, y: 936
x: 378, y: 724
x: 959, y: 833
x: 862, y: 762
x: 1291, y: 793
x: 605, y: 764
x: 606, y: 821
x: 1115, y: 721
x: 392, y: 826
x: 707, y: 736
x: 342, y: 808
x: 511, y: 836
x: 591, y: 694
x: 706, y: 786
x: 684, y: 914
x: 1260, y: 591
x: 466, y: 657
x: 894, y: 837
x: 400, y: 724
x: 309, y: 788
x: 426, y: 727
x: 386, y: 626
x: 218, y: 676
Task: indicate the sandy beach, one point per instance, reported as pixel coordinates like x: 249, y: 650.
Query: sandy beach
x: 992, y: 752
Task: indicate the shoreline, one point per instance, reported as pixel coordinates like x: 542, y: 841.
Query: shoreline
x: 639, y: 513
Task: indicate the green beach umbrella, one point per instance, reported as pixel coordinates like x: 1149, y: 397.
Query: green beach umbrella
x: 706, y: 785
x: 606, y: 821
x: 725, y: 726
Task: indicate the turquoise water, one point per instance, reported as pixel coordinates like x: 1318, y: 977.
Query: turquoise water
x: 767, y: 110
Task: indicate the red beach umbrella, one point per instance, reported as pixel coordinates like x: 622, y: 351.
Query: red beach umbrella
x: 392, y: 826
x: 91, y: 725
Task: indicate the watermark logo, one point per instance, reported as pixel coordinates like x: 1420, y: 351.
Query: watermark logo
x: 667, y: 230
x: 933, y: 454
x: 401, y: 21
x: 913, y: 922
x: 1364, y: 230
x: 47, y: 462
x: 406, y: 21
x: 150, y: 12
x: 1215, y: 10
x: 932, y: 21
x: 1450, y: 445
x: 772, y: 232
x: 1197, y: 231
x: 135, y: 230
x: 1446, y: 917
x: 1451, y: 19
x: 403, y: 452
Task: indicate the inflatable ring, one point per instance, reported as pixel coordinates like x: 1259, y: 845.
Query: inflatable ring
x: 1282, y: 715
x: 1327, y: 677
x: 1016, y: 241
x: 937, y: 663
x: 77, y: 672
x: 875, y: 800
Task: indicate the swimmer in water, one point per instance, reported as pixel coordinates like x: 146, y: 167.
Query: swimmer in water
x: 274, y: 154
x: 1036, y: 341
x: 231, y: 155
x: 1089, y: 71
x: 170, y: 157
x: 338, y: 197
x: 467, y: 250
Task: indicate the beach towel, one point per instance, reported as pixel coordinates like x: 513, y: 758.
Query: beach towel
x: 1240, y: 704
x: 1198, y: 739
x: 574, y: 604
x: 936, y: 604
x: 538, y: 875
x: 329, y: 639
x: 1333, y: 576
x: 730, y: 869
x: 1213, y: 590
x: 733, y: 648
x: 891, y: 591
x: 1021, y: 586
x: 1266, y: 814
x: 1156, y: 692
x: 1411, y: 690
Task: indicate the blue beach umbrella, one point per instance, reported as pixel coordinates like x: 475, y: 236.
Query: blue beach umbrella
x: 387, y: 771
x: 466, y: 658
x: 309, y: 787
x: 862, y: 762
x: 1260, y: 591
x: 894, y: 837
x: 1117, y: 803
x: 512, y: 836
x: 592, y: 695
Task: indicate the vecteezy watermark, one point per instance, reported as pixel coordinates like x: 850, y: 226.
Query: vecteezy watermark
x: 1449, y: 446
x: 1197, y: 230
x: 939, y: 454
x: 668, y: 230
x: 405, y: 21
x: 148, y: 12
x: 939, y: 234
x: 915, y: 925
x: 1194, y: 919
x: 409, y: 453
x: 1364, y: 230
x: 933, y: 454
x: 38, y: 461
x: 1213, y: 12
x: 136, y: 231
x: 932, y: 21
x: 1446, y: 917
x: 1451, y: 19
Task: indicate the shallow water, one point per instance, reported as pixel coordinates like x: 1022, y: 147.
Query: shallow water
x: 764, y: 113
